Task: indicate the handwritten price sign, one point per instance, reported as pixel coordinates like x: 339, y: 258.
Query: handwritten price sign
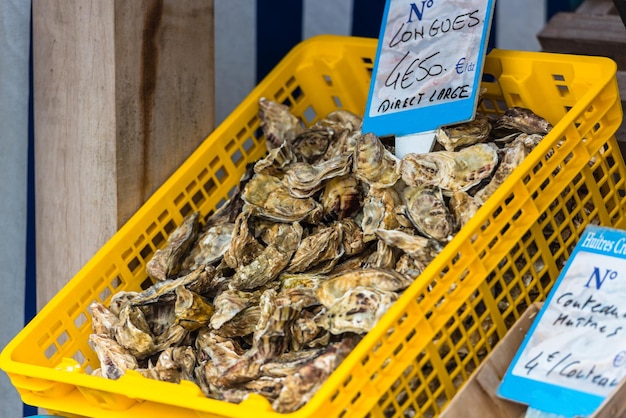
x: 575, y: 353
x: 428, y: 65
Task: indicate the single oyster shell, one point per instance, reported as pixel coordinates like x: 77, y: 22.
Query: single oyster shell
x: 384, y: 257
x: 304, y: 179
x: 514, y: 154
x: 278, y: 123
x: 379, y: 211
x: 352, y: 237
x: 133, y: 332
x: 114, y: 359
x: 324, y: 245
x: 242, y: 324
x: 277, y: 315
x: 448, y: 170
x: 103, y: 321
x: 341, y: 198
x: 373, y: 164
x: 518, y: 120
x: 463, y: 207
x: 210, y: 246
x: 299, y: 387
x: 230, y: 302
x: 428, y: 212
x: 175, y: 364
x: 383, y: 279
x: 288, y: 363
x: 466, y: 133
x: 271, y: 261
x: 409, y: 266
x: 415, y: 246
x: 222, y: 352
x: 271, y: 200
x: 339, y: 120
x: 175, y: 335
x: 192, y: 310
x: 244, y: 247
x: 167, y: 261
x: 277, y: 161
x: 359, y: 309
x: 312, y: 144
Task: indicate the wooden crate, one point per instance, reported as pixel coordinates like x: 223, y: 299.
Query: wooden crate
x: 595, y: 28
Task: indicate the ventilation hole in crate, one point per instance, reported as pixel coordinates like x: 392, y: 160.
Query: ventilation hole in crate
x: 158, y: 239
x: 596, y: 127
x: 287, y: 102
x: 398, y: 349
x: 328, y: 80
x: 516, y: 99
x: 343, y: 413
x: 221, y: 174
x: 337, y: 101
x: 242, y: 132
x: 146, y: 283
x: 106, y: 292
x: 410, y: 335
x: 310, y: 115
x: 297, y: 93
x: 248, y: 145
x: 186, y: 209
x: 488, y: 105
x: 563, y: 90
x: 502, y: 106
x: 80, y: 320
x: 169, y: 226
x: 356, y: 397
x: 220, y: 203
x: 229, y: 145
x: 50, y: 351
x: 236, y: 157
x: 558, y: 77
x: 278, y: 94
x: 334, y: 396
x: 390, y: 410
x: 79, y: 357
x: 209, y: 186
x: 198, y: 198
x: 145, y: 252
x: 258, y: 134
x: 488, y: 78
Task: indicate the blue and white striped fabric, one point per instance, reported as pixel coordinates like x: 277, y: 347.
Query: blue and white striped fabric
x: 251, y: 36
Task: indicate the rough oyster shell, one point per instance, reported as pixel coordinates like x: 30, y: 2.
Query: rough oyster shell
x: 271, y: 200
x: 342, y: 197
x: 167, y: 261
x: 448, y: 170
x: 304, y: 179
x: 373, y: 163
x: 518, y: 120
x: 466, y: 133
x: 428, y: 212
x: 114, y: 359
x: 278, y: 123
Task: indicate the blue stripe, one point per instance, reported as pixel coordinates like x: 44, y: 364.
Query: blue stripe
x: 367, y: 16
x: 30, y: 274
x: 279, y: 29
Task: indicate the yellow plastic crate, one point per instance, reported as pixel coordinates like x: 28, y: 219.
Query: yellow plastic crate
x: 443, y: 326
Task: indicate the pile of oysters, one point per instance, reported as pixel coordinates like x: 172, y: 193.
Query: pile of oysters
x: 272, y: 291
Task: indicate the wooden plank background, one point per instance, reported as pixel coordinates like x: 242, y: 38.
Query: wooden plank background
x: 123, y: 93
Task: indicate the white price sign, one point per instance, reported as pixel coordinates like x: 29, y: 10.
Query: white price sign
x: 428, y: 65
x: 575, y: 353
